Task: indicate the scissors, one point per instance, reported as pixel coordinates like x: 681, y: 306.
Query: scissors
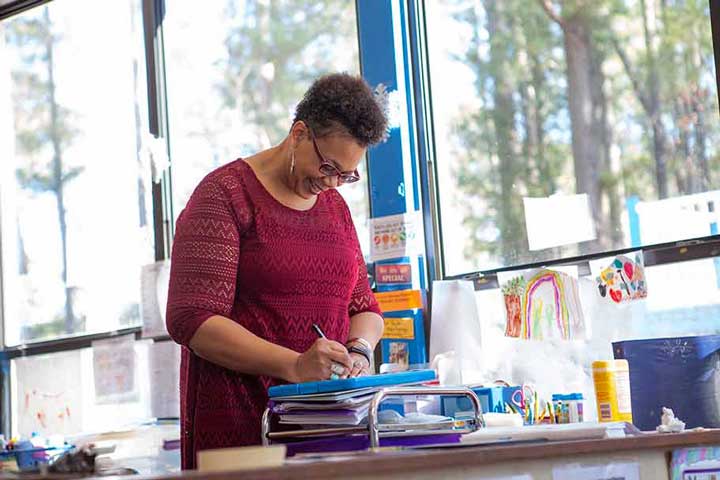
x: 518, y: 399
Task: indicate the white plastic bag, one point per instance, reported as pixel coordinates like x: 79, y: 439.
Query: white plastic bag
x: 455, y: 326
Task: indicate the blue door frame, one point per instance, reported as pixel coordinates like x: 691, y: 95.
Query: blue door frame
x: 386, y: 50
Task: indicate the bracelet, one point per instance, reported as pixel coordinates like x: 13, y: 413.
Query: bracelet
x: 361, y: 341
x: 362, y: 351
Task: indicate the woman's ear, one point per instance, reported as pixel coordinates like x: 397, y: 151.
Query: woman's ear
x: 299, y: 132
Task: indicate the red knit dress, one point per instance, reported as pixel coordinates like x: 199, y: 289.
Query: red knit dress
x: 240, y: 253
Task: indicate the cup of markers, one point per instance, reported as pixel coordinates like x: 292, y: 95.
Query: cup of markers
x: 568, y: 408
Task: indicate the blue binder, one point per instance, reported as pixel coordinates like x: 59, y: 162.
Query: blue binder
x: 327, y: 386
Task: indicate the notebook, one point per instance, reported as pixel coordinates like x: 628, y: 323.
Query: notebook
x: 327, y: 386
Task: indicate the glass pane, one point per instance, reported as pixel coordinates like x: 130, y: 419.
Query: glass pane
x: 235, y: 72
x: 572, y: 129
x: 76, y: 221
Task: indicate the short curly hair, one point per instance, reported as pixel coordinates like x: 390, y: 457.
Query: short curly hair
x: 341, y: 102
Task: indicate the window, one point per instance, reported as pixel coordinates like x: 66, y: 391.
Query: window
x: 575, y: 129
x: 564, y: 130
x: 110, y: 387
x: 76, y: 221
x: 236, y: 70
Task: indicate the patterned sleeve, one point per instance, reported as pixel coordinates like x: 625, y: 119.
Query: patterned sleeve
x: 204, y: 261
x: 362, y: 298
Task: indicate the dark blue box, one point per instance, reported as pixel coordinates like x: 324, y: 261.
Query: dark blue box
x: 682, y: 373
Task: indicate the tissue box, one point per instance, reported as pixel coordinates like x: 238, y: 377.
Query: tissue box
x: 682, y: 373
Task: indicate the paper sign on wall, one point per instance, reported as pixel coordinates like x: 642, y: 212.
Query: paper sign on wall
x: 399, y: 300
x: 558, y: 220
x: 395, y: 236
x: 399, y: 328
x: 114, y: 370
x: 154, y: 281
x: 395, y: 274
x: 164, y: 379
x: 49, y: 399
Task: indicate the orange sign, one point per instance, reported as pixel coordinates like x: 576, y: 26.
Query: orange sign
x: 399, y: 328
x: 399, y: 300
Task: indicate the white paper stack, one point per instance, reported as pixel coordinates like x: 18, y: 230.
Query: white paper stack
x: 327, y: 409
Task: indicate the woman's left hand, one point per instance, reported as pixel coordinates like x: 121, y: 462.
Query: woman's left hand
x: 360, y: 366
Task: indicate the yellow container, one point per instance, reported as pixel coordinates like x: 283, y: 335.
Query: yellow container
x: 612, y: 390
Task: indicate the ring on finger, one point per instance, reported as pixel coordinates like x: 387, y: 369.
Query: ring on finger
x: 337, y: 369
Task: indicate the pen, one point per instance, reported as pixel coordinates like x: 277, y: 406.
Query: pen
x: 318, y: 330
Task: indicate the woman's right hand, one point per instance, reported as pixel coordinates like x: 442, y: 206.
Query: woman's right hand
x: 316, y: 363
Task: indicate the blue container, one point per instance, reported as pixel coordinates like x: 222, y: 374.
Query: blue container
x: 492, y: 399
x: 682, y: 373
x: 26, y: 455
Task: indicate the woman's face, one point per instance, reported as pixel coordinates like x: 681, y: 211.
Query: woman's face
x: 323, y: 163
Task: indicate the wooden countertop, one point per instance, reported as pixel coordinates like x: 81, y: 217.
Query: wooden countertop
x: 389, y: 462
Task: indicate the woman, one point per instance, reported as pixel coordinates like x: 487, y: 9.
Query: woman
x: 264, y: 249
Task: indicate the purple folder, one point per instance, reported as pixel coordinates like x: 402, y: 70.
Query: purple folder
x: 349, y: 443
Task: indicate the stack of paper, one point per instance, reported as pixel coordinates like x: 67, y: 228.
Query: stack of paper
x: 324, y: 409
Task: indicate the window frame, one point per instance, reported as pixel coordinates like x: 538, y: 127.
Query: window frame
x: 15, y: 7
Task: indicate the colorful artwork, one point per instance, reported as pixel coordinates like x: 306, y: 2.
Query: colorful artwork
x: 623, y: 280
x: 543, y: 304
x: 48, y: 399
x: 399, y: 353
x: 512, y: 293
x: 694, y: 462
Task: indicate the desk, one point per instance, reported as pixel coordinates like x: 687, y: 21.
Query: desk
x: 650, y: 451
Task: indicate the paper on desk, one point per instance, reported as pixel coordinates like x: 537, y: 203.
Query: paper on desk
x: 570, y: 431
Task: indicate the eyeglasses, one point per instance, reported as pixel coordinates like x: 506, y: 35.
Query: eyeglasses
x: 330, y: 170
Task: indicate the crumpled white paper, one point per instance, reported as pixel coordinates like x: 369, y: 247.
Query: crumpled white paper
x: 669, y: 423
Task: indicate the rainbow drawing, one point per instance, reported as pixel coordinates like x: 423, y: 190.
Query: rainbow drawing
x: 564, y: 292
